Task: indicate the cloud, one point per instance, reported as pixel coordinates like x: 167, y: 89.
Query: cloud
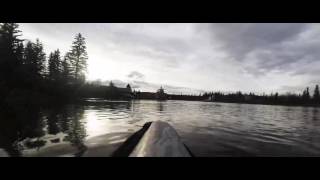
x: 185, y: 57
x: 240, y: 39
x: 264, y: 47
x: 156, y: 42
x: 135, y: 75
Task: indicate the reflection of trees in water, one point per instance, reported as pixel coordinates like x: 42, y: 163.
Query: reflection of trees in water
x: 27, y: 126
x: 17, y: 126
x: 160, y: 106
x: 53, y: 121
x: 68, y: 121
x: 306, y: 113
x: 76, y: 131
x: 311, y: 133
x: 9, y: 134
x: 315, y: 114
x: 119, y: 105
x: 129, y: 105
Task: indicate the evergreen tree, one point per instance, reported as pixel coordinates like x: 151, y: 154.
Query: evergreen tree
x: 9, y: 34
x: 316, y: 94
x: 54, y: 66
x: 19, y: 53
x: 112, y: 91
x: 306, y: 95
x: 41, y: 58
x: 34, y: 59
x: 66, y: 67
x: 10, y: 53
x: 129, y: 87
x: 78, y: 57
x: 66, y: 70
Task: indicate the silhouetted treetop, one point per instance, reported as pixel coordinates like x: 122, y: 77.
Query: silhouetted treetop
x: 11, y: 54
x: 78, y: 56
x: 35, y: 58
x: 316, y: 94
x: 306, y: 95
x: 54, y: 66
x: 9, y: 33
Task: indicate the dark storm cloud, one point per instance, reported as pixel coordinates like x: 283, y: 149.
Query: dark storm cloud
x: 240, y: 39
x: 265, y: 47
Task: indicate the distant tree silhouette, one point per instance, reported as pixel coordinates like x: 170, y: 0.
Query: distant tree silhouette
x: 316, y: 94
x: 54, y: 66
x: 34, y: 59
x: 66, y: 70
x: 129, y: 87
x: 160, y: 94
x: 78, y: 57
x: 306, y: 95
x: 112, y: 91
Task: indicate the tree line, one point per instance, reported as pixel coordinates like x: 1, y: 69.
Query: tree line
x: 28, y: 76
x: 274, y: 98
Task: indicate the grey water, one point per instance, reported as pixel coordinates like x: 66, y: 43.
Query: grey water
x: 98, y: 127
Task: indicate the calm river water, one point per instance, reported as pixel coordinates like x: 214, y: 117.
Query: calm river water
x: 98, y: 127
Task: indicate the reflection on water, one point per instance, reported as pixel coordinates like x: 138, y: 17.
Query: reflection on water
x: 35, y: 128
x: 97, y: 127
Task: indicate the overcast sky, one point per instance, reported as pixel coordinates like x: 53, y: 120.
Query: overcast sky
x: 194, y: 57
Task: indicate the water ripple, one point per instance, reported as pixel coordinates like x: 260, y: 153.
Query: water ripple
x: 209, y: 129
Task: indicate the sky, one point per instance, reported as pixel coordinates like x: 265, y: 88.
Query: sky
x: 193, y: 58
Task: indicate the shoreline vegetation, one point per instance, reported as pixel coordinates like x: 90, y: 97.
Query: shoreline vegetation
x: 31, y: 78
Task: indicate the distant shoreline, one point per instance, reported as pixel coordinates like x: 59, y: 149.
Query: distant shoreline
x: 120, y: 101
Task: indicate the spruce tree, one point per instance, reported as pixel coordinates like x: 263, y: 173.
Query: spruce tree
x: 78, y: 57
x: 41, y: 58
x: 129, y: 87
x: 66, y: 70
x: 10, y: 53
x: 34, y: 59
x: 9, y: 34
x: 54, y: 66
x: 316, y: 94
x: 306, y: 95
